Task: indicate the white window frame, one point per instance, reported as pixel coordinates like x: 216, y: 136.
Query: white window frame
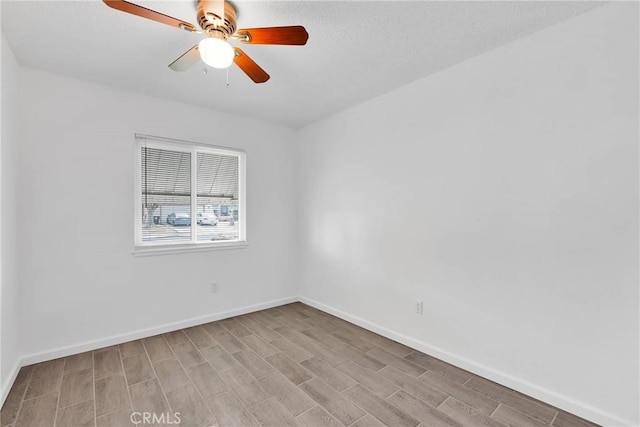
x: 142, y: 248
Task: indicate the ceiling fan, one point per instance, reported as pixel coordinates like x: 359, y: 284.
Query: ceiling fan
x: 217, y: 19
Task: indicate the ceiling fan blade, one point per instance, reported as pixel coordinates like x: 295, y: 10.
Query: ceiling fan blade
x: 294, y: 35
x: 250, y: 68
x: 186, y: 60
x: 134, y: 9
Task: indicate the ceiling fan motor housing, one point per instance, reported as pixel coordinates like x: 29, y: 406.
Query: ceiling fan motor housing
x: 217, y: 21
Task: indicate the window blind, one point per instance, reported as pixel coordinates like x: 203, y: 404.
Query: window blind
x: 177, y: 210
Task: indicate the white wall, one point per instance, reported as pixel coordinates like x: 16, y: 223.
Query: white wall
x: 79, y: 279
x: 504, y: 193
x: 9, y: 331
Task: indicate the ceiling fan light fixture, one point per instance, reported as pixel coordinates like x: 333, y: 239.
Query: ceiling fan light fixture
x: 215, y: 52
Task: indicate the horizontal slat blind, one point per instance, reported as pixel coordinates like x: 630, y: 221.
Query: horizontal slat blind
x: 218, y: 196
x: 167, y: 192
x: 166, y: 195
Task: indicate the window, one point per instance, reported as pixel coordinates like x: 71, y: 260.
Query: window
x: 188, y: 196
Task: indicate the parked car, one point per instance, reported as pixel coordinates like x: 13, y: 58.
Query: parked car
x: 224, y: 218
x: 207, y: 219
x: 178, y: 219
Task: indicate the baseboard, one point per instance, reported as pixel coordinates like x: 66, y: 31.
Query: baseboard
x: 6, y: 386
x: 556, y: 399
x: 122, y: 338
x: 144, y: 333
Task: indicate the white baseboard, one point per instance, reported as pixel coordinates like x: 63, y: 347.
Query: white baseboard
x: 6, y: 386
x: 563, y: 402
x: 122, y: 338
x: 144, y: 333
x: 556, y: 399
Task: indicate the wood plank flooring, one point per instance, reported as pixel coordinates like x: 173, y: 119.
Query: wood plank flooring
x: 285, y: 366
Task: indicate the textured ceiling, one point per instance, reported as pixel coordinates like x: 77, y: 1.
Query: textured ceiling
x: 356, y: 49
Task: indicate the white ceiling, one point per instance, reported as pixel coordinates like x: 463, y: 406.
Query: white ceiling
x: 356, y: 49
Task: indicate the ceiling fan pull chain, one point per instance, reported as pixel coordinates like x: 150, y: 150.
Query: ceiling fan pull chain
x: 227, y: 78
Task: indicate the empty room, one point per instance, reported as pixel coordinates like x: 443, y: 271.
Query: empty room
x: 320, y: 213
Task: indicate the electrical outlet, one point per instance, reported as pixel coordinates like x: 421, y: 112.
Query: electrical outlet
x: 418, y: 306
x: 214, y: 287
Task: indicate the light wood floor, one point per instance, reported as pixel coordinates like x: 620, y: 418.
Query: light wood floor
x: 291, y: 365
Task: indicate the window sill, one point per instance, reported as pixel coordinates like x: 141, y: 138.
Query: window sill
x: 142, y: 251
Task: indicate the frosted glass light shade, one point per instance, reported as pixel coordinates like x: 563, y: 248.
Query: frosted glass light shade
x: 216, y: 53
